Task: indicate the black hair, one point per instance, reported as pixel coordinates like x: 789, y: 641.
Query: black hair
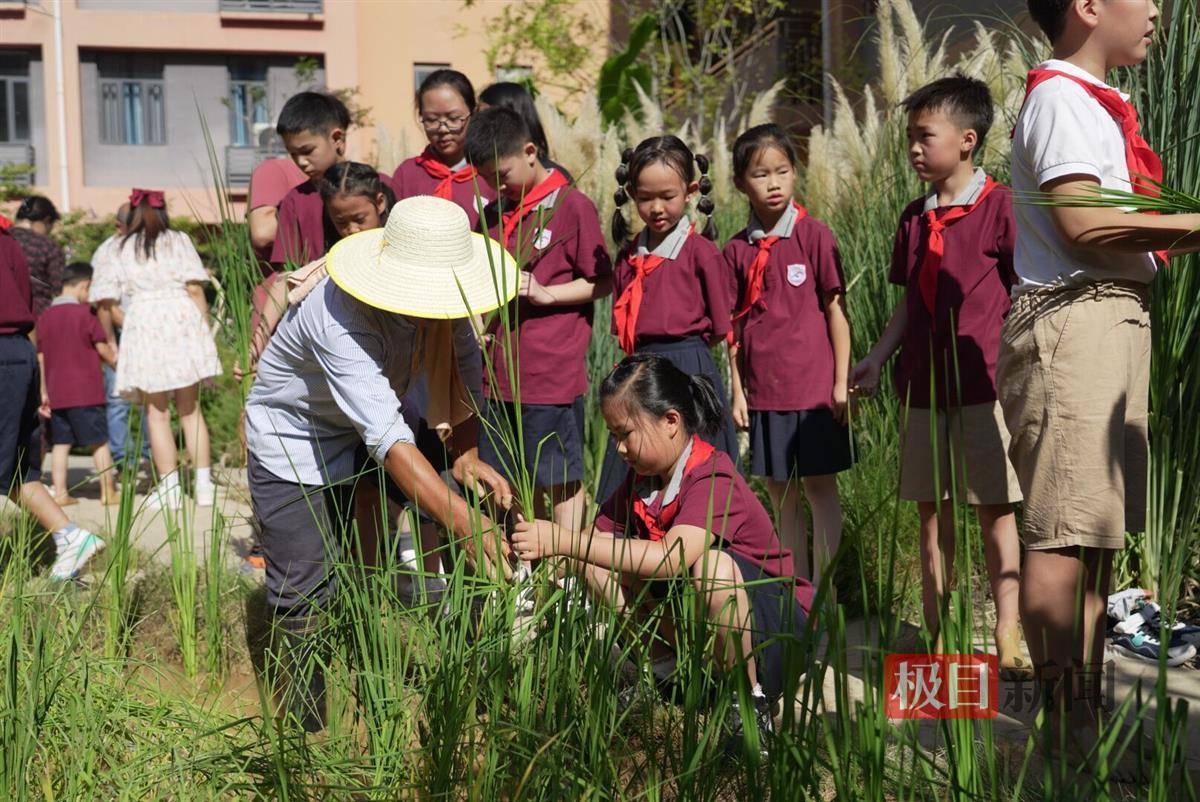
x: 146, y: 225
x: 671, y: 151
x: 38, y: 209
x: 752, y: 140
x: 317, y: 112
x: 451, y: 78
x: 514, y: 96
x: 356, y: 178
x: 76, y: 272
x: 1051, y: 16
x: 495, y: 133
x: 965, y: 98
x: 654, y: 384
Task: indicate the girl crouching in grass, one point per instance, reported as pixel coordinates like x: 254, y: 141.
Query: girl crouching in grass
x: 684, y: 513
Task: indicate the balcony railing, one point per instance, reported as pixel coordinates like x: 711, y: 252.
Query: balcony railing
x: 18, y: 153
x: 274, y: 6
x: 241, y: 161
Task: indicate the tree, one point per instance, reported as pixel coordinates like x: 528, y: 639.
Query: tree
x: 561, y: 34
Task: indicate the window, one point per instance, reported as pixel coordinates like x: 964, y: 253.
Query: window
x: 422, y: 71
x: 132, y: 104
x: 249, y: 111
x: 14, y: 98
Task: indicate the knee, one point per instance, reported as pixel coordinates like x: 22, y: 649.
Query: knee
x: 716, y: 570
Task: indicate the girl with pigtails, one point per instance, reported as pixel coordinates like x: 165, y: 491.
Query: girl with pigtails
x: 674, y: 293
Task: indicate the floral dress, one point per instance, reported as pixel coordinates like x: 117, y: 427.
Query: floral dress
x: 166, y: 343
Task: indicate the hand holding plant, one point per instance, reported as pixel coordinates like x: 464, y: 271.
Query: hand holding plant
x: 472, y: 472
x: 864, y: 377
x: 533, y: 540
x: 534, y: 291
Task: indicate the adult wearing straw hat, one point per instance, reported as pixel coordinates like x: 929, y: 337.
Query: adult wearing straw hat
x: 396, y: 305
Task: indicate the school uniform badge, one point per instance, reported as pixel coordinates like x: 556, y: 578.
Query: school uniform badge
x: 796, y: 274
x: 543, y: 239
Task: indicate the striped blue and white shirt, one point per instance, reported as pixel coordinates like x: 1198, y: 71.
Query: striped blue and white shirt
x: 331, y: 378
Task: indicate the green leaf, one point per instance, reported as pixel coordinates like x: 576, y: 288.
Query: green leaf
x: 621, y: 74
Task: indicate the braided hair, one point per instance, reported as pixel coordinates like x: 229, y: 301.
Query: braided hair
x: 671, y: 151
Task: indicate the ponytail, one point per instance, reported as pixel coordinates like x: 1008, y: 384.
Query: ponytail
x: 705, y: 205
x: 654, y: 384
x: 671, y: 151
x: 620, y: 226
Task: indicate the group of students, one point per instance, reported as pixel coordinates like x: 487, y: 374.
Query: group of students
x: 1001, y: 399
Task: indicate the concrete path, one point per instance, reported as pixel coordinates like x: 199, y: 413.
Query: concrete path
x: 149, y: 534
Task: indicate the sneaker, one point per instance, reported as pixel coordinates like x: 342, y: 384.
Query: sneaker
x: 73, y: 554
x: 1144, y: 645
x: 205, y: 494
x: 168, y: 497
x: 737, y: 738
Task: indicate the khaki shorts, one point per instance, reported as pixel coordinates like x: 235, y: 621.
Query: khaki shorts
x: 1074, y: 378
x: 973, y: 438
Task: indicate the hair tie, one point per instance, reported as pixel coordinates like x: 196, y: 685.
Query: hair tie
x: 151, y: 197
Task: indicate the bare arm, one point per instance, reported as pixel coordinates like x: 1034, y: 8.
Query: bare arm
x: 263, y: 222
x: 839, y: 336
x: 268, y: 318
x: 669, y: 557
x: 107, y: 352
x: 739, y: 407
x: 107, y: 319
x: 44, y: 407
x: 196, y: 290
x: 579, y: 291
x: 1114, y: 229
x: 864, y: 377
x: 413, y: 474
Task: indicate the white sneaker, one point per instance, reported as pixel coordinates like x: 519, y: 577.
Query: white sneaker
x: 205, y: 495
x: 74, y: 553
x: 168, y: 497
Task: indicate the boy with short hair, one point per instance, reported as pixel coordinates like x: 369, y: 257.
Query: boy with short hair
x: 1075, y: 396
x: 20, y: 441
x: 953, y: 256
x: 553, y: 230
x: 70, y: 344
x: 313, y: 128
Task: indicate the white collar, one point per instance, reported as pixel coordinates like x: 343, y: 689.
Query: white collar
x: 671, y: 245
x: 783, y: 226
x: 671, y: 491
x: 1082, y: 74
x: 969, y: 195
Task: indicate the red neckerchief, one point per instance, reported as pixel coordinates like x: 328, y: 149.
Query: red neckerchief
x: 935, y: 248
x: 629, y: 305
x: 658, y: 525
x: 446, y: 177
x: 4, y: 223
x: 1141, y: 160
x: 552, y: 183
x: 1144, y: 165
x: 758, y: 269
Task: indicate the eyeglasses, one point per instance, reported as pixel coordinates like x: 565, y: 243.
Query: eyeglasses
x: 450, y: 124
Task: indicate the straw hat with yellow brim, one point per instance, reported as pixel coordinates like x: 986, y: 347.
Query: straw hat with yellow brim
x: 426, y: 262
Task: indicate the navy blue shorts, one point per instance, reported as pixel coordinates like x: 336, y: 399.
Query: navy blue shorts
x: 79, y: 426
x: 20, y: 396
x: 551, y: 435
x: 787, y: 445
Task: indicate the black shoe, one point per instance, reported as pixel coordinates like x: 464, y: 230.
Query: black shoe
x: 738, y: 739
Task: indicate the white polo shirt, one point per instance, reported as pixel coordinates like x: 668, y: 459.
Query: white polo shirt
x: 1063, y: 131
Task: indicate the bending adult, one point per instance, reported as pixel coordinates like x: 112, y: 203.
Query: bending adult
x: 36, y: 217
x: 395, y: 305
x: 166, y: 348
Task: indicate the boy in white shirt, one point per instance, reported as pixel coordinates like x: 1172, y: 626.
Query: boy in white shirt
x: 1074, y: 364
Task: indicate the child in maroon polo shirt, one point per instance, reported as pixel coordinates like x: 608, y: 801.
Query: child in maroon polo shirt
x: 793, y: 357
x: 673, y: 291
x: 683, y: 513
x: 953, y: 255
x: 313, y: 128
x: 70, y: 344
x: 553, y: 230
x: 445, y: 102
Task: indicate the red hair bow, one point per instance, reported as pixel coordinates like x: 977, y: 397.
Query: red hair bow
x: 152, y: 197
